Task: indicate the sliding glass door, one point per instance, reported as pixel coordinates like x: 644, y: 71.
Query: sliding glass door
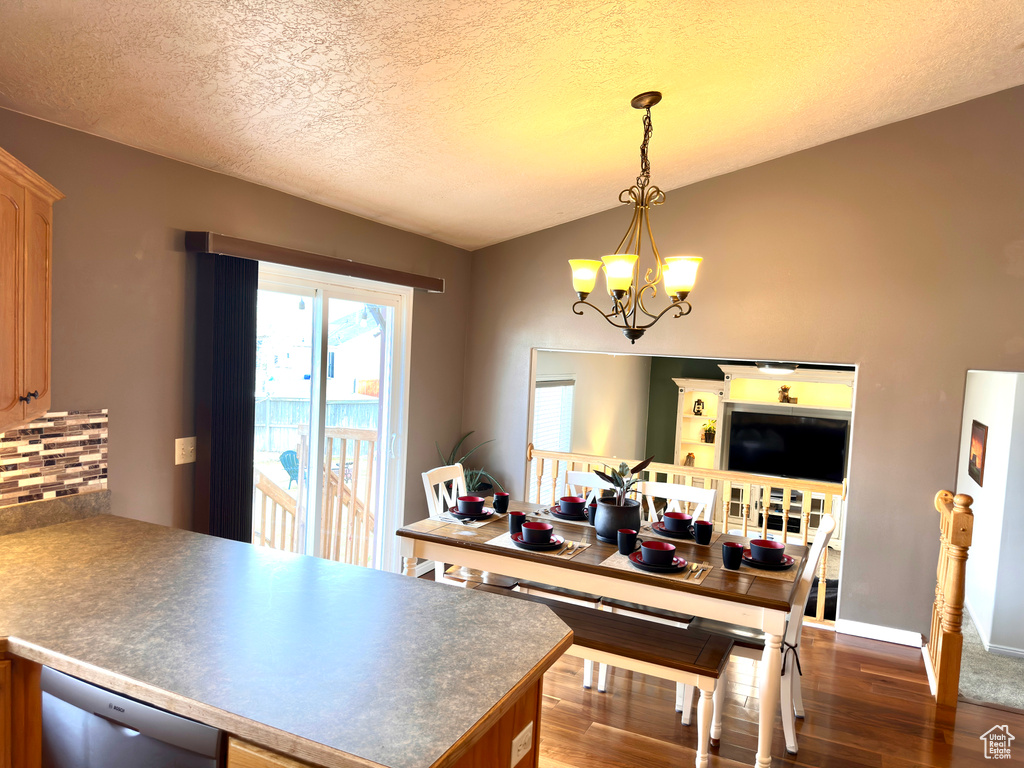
x: 331, y: 394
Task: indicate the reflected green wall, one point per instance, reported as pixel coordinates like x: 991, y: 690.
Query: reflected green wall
x: 664, y: 397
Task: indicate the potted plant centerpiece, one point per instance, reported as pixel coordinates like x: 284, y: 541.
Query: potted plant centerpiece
x: 615, y: 512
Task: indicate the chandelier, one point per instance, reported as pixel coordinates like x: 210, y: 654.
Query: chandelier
x: 630, y: 311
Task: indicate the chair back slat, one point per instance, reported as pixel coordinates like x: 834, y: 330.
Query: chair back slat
x: 700, y: 502
x: 585, y: 484
x: 436, y: 482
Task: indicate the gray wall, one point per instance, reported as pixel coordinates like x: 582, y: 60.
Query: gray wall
x: 609, y: 407
x: 122, y: 301
x: 900, y: 250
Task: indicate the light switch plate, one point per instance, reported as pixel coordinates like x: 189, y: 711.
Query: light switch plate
x: 522, y: 743
x: 185, y: 450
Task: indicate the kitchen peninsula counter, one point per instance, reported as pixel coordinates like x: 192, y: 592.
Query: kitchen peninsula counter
x: 329, y: 663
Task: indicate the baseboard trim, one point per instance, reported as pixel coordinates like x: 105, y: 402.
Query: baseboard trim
x: 933, y: 686
x: 424, y: 567
x: 1004, y: 650
x: 877, y: 632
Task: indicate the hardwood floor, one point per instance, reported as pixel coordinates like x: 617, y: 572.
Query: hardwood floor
x: 867, y: 705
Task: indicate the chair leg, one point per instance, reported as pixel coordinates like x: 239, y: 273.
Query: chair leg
x: 680, y: 696
x: 602, y: 677
x: 704, y: 707
x: 719, y: 702
x: 788, y: 713
x: 798, y: 698
x: 687, y: 704
x: 588, y: 673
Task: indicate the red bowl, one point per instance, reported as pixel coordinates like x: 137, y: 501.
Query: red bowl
x: 658, y: 552
x: 766, y: 550
x: 535, y: 532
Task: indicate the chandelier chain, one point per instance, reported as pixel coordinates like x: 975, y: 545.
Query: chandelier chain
x: 645, y: 165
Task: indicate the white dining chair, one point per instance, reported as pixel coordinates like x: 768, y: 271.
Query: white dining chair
x: 750, y: 644
x: 443, y: 486
x: 585, y: 484
x: 699, y: 502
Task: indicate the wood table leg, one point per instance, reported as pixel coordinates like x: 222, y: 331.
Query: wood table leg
x: 770, y: 674
x: 704, y: 711
x: 409, y: 565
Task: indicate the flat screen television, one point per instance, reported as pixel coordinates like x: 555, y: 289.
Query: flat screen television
x: 805, y: 447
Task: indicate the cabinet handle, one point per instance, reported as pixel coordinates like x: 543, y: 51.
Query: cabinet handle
x: 27, y: 398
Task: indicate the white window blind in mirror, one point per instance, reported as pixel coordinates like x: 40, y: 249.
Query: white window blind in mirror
x: 552, y: 422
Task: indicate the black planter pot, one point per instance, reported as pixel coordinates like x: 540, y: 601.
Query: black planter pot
x: 610, y: 517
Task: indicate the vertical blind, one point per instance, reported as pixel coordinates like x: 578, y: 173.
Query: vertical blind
x: 225, y: 394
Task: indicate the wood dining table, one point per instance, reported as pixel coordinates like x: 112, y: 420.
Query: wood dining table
x: 750, y: 597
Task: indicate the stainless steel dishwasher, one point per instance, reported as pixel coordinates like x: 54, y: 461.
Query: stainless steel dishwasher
x: 85, y: 726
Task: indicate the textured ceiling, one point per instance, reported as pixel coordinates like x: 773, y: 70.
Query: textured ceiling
x: 475, y: 121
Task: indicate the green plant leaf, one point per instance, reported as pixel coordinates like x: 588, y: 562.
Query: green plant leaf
x: 605, y: 477
x: 455, y: 450
x: 470, y: 453
x: 493, y: 480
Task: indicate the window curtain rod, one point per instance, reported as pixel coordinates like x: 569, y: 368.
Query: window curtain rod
x: 210, y: 242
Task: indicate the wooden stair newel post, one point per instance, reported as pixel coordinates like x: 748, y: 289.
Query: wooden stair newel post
x: 945, y: 645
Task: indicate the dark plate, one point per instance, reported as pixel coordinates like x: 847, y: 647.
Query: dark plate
x: 787, y: 561
x: 557, y: 512
x: 482, y: 516
x: 636, y: 559
x: 659, y: 527
x: 555, y: 543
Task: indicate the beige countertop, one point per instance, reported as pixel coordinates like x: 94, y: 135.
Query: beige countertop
x: 335, y: 664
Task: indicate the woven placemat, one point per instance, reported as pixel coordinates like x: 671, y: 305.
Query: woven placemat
x: 647, y: 530
x: 546, y: 515
x: 448, y: 518
x: 763, y: 573
x: 505, y: 540
x: 621, y: 563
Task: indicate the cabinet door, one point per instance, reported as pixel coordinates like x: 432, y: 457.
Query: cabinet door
x: 38, y: 263
x: 12, y: 210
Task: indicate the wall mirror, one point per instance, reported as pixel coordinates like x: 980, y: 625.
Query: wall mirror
x: 773, y: 439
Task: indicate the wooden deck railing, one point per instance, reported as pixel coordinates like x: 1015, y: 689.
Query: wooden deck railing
x: 745, y: 502
x: 346, y: 513
x: 946, y: 641
x: 277, y: 515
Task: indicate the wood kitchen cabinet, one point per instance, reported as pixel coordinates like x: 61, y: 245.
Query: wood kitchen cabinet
x: 26, y: 234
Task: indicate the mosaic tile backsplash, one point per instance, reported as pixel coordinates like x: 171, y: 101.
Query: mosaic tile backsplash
x: 61, y: 454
